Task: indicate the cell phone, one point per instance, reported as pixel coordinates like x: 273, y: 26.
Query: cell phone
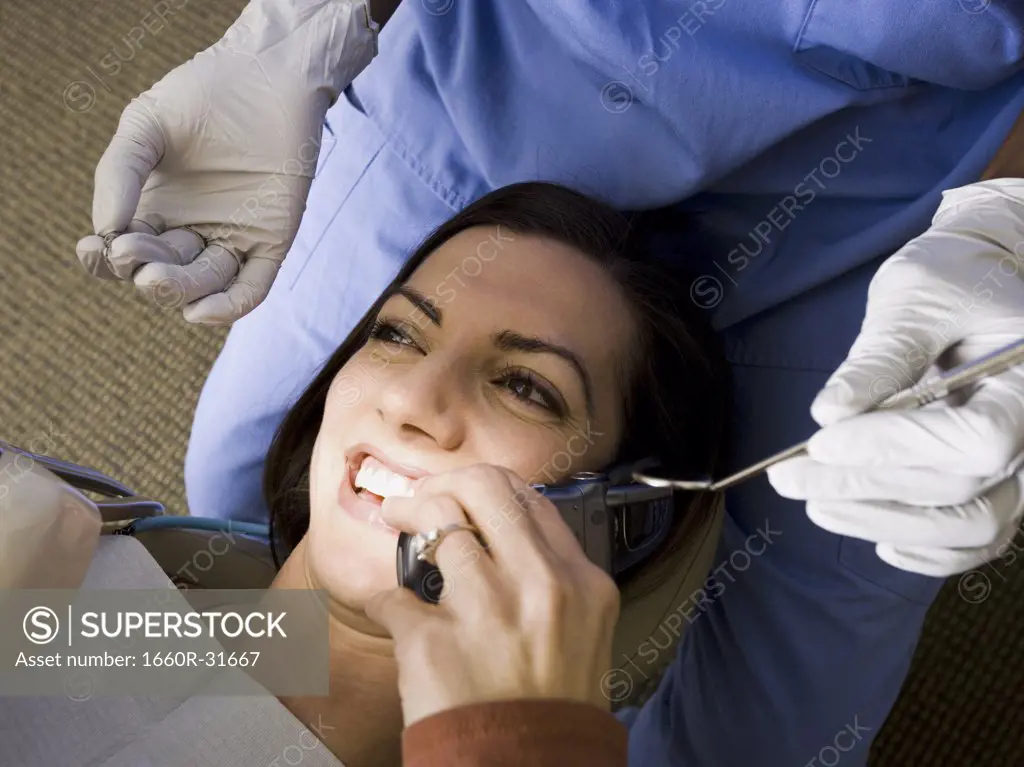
x: 617, y: 526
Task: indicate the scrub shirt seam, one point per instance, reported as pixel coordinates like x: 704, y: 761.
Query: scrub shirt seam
x: 873, y: 88
x: 803, y: 27
x: 797, y: 51
x: 337, y: 210
x: 449, y: 197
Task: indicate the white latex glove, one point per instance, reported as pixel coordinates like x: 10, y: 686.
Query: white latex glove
x: 226, y: 145
x: 940, y: 489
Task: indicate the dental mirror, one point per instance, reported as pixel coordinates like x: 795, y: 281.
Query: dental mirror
x: 696, y: 483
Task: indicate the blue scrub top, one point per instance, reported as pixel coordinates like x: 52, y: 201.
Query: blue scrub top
x: 804, y: 140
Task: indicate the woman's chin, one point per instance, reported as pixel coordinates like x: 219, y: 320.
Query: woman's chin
x: 351, y: 576
x: 351, y: 559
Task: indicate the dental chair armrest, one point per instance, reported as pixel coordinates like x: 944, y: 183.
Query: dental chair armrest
x: 540, y: 733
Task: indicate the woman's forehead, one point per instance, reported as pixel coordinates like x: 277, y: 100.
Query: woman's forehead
x: 492, y: 276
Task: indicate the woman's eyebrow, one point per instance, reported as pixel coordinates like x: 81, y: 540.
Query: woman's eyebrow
x: 421, y: 302
x: 511, y: 341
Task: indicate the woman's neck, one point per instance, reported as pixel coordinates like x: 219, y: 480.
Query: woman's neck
x: 361, y: 719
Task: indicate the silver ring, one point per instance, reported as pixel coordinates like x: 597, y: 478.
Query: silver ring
x: 425, y: 544
x: 108, y: 239
x: 202, y: 239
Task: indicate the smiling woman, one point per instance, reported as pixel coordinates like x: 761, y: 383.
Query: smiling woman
x: 560, y: 351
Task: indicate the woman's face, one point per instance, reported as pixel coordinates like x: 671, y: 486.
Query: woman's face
x: 503, y: 349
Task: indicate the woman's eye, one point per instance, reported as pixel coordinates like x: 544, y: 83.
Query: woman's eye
x: 390, y: 333
x: 527, y: 389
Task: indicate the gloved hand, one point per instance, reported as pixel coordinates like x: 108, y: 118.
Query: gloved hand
x: 200, y: 192
x: 939, y: 489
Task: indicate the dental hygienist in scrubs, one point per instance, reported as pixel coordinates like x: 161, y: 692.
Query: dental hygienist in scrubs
x: 803, y: 142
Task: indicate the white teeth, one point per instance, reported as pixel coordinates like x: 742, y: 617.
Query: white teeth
x: 382, y: 481
x: 398, y: 485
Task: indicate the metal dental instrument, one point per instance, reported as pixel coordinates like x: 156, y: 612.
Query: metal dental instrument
x: 919, y: 395
x: 120, y: 503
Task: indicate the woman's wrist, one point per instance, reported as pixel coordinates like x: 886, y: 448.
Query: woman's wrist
x: 537, y: 731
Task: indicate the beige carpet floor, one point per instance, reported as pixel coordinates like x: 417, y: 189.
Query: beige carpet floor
x: 91, y: 374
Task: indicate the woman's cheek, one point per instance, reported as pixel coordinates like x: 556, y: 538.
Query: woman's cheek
x: 543, y: 462
x: 349, y: 384
x: 506, y: 445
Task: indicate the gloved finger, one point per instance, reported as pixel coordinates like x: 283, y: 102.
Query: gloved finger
x: 892, y: 352
x: 94, y: 251
x: 996, y: 408
x: 134, y: 151
x: 974, y: 584
x: 170, y: 286
x: 982, y: 437
x: 805, y: 479
x: 129, y: 252
x: 245, y: 294
x: 89, y: 250
x: 975, y: 523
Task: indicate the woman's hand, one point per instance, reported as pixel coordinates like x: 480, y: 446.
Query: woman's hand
x: 529, y: 617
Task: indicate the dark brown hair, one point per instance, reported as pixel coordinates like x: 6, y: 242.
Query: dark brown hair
x: 676, y: 404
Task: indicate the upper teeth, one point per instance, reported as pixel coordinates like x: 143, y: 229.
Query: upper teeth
x: 380, y: 480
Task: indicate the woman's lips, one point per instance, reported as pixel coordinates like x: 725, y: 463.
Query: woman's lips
x: 357, y: 453
x: 364, y: 507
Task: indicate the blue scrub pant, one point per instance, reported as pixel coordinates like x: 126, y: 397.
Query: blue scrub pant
x: 797, y: 657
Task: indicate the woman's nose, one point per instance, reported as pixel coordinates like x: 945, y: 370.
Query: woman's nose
x: 418, y: 400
